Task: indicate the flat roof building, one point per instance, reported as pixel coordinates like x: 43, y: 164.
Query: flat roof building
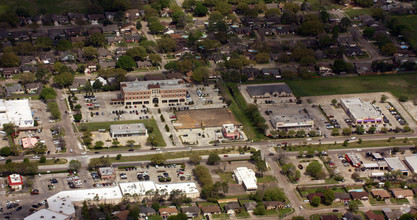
x: 17, y: 112
x: 288, y: 122
x: 411, y: 162
x: 231, y: 131
x: 47, y: 214
x: 106, y: 173
x: 140, y: 188
x: 246, y: 177
x: 353, y: 159
x: 15, y: 182
x: 360, y: 112
x: 127, y: 130
x: 154, y: 91
x: 28, y: 142
x: 394, y: 163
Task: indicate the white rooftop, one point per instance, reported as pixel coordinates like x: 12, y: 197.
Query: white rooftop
x: 47, y: 215
x: 62, y: 201
x: 412, y: 162
x: 187, y: 188
x: 17, y: 112
x: 142, y: 187
x: 134, y: 86
x: 395, y: 164
x: 247, y: 177
x: 359, y: 109
x: 15, y: 178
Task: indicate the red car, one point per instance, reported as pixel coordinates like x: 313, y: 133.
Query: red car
x: 34, y: 192
x: 226, y: 156
x: 300, y: 166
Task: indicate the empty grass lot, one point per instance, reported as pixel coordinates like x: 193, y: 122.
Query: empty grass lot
x: 397, y: 84
x: 149, y: 124
x: 352, y: 13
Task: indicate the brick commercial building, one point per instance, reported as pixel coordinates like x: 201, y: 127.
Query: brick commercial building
x: 155, y: 91
x: 15, y: 182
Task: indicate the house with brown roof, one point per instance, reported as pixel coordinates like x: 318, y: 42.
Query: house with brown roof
x: 402, y: 193
x: 269, y: 205
x: 380, y: 193
x: 122, y: 215
x: 370, y: 215
x: 211, y: 209
x: 339, y: 197
x: 312, y: 195
x: 329, y: 217
x: 359, y: 195
x: 165, y: 212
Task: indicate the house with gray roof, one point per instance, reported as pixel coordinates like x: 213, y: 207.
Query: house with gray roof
x: 271, y: 90
x: 191, y: 211
x: 14, y: 89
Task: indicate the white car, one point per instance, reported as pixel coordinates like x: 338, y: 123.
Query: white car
x: 353, y: 138
x: 1, y: 158
x: 309, y: 139
x: 84, y: 153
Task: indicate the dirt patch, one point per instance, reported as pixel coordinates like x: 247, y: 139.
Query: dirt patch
x: 204, y: 118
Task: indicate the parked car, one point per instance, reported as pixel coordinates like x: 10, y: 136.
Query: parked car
x: 34, y: 192
x: 300, y: 166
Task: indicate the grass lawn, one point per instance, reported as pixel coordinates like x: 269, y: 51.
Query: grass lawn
x: 356, y: 12
x: 50, y: 6
x: 317, y: 216
x: 410, y: 21
x: 226, y: 177
x: 284, y: 212
x: 397, y: 84
x: 51, y: 162
x: 266, y: 179
x: 155, y: 217
x: 374, y: 201
x: 243, y: 214
x: 220, y: 216
x: 399, y: 201
x: 149, y: 123
x: 377, y: 143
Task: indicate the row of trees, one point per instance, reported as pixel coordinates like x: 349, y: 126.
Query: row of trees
x: 210, y: 191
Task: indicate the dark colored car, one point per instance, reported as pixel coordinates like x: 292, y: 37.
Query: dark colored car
x: 19, y: 208
x: 300, y: 166
x: 34, y: 192
x: 131, y: 149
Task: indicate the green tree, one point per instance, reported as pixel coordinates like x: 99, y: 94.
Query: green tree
x: 272, y: 12
x: 63, y: 45
x: 315, y: 201
x: 312, y: 27
x: 9, y: 60
x: 158, y: 159
x: 328, y: 196
x: 64, y: 79
x: 298, y: 218
x: 384, y: 98
x: 90, y: 53
x: 347, y: 131
x: 262, y: 58
x: 335, y: 132
x: 74, y: 165
x: 353, y: 206
x: 97, y: 39
x: 118, y: 157
x: 360, y: 129
x: 314, y: 168
x: 155, y: 59
x: 166, y: 44
x: 27, y: 78
x: 5, y: 151
x: 213, y: 159
x: 43, y: 74
x: 155, y: 26
x: 137, y: 53
x: 369, y: 32
x: 47, y: 93
x: 201, y: 74
x: 195, y: 158
x: 97, y: 84
x: 389, y: 49
x: 126, y: 63
x: 260, y: 209
x: 43, y: 43
x: 42, y: 159
x: 9, y: 128
x: 200, y: 10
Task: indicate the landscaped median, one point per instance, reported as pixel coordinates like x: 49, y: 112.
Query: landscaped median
x: 150, y: 125
x: 355, y: 144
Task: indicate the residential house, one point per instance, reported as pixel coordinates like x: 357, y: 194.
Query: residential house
x: 39, y: 33
x: 232, y: 207
x: 77, y: 84
x: 47, y: 57
x: 271, y: 72
x: 67, y: 57
x: 128, y: 28
x: 90, y: 67
x: 79, y: 39
x: 211, y: 210
x: 73, y: 31
x: 132, y: 14
x: 310, y: 196
x: 56, y: 33
x: 359, y: 195
x: 370, y: 215
x: 181, y: 52
x: 347, y: 41
x: 33, y: 88
x: 269, y: 205
x: 27, y: 60
x: 106, y: 64
x: 391, y: 214
x: 14, y: 89
x: 351, y: 216
x: 8, y: 72
x: 329, y: 217
x: 146, y: 211
x: 113, y: 40
x: 251, y: 72
x: 166, y: 212
x: 380, y: 193
x: 110, y: 15
x: 122, y: 215
x: 353, y: 51
x: 288, y: 69
x: 59, y: 19
x: 110, y: 29
x: 402, y: 193
x: 29, y: 69
x: 103, y: 53
x: 191, y: 211
x: 144, y: 64
x: 76, y: 16
x: 363, y: 68
x: 95, y: 18
x: 216, y: 58
x: 250, y: 206
x: 341, y: 197
x: 93, y: 30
